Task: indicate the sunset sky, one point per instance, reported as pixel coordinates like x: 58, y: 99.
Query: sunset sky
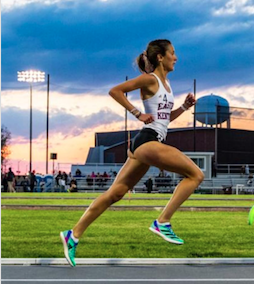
x: 89, y: 46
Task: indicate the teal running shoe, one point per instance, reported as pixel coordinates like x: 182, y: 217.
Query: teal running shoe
x: 166, y: 232
x: 251, y: 215
x: 69, y: 247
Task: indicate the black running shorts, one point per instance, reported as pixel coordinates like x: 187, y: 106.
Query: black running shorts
x: 144, y: 135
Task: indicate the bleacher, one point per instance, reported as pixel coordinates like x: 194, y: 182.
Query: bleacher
x: 230, y: 179
x: 218, y: 185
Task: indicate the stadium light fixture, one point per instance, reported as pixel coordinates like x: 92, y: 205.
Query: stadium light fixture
x: 31, y: 76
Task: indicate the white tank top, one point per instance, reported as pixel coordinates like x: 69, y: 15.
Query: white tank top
x: 160, y: 106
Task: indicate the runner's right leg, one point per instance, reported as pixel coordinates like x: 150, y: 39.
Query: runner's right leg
x: 129, y: 175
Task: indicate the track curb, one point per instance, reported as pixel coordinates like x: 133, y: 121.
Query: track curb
x: 127, y: 261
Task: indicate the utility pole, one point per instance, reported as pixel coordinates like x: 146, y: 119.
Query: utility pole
x: 47, y: 128
x: 194, y: 119
x: 125, y: 132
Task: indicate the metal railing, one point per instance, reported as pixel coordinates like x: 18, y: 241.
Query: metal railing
x: 100, y: 183
x: 235, y: 169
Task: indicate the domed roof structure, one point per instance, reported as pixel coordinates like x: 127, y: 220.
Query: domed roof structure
x: 212, y: 110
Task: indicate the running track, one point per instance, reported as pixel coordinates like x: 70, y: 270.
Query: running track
x: 91, y: 274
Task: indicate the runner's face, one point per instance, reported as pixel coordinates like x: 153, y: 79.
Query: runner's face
x: 170, y: 58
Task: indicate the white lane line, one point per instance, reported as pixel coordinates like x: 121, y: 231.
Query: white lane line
x: 131, y: 280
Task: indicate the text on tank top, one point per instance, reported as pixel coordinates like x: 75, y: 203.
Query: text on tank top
x: 160, y: 106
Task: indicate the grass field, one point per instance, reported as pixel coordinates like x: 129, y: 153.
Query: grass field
x: 35, y: 234
x: 125, y: 234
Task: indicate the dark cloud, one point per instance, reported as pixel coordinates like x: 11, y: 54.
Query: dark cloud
x: 90, y: 46
x: 18, y: 122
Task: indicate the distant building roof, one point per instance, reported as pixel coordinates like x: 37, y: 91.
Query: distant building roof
x: 109, y: 139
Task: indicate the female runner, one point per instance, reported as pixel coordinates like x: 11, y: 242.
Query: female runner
x: 147, y: 148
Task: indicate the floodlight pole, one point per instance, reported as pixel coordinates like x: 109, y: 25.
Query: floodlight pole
x: 31, y: 130
x: 31, y: 76
x: 194, y: 119
x: 47, y: 127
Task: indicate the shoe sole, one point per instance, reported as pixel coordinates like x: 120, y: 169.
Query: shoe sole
x: 66, y: 253
x: 165, y: 238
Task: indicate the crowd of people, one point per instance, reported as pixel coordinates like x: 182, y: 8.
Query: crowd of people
x: 9, y: 181
x: 68, y: 183
x: 163, y: 179
x: 62, y: 181
x: 30, y: 183
x: 65, y: 183
x: 97, y: 179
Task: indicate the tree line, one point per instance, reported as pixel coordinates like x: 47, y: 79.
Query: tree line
x: 5, y: 144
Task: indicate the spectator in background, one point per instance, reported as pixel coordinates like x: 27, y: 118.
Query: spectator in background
x: 62, y: 182
x: 247, y: 170
x: 250, y: 179
x: 69, y: 179
x: 78, y: 173
x: 58, y: 179
x: 89, y: 180
x: 105, y: 178
x: 99, y: 179
x: 11, y: 181
x: 65, y: 180
x: 110, y: 173
x: 93, y: 177
x: 149, y: 185
x: 73, y: 186
x: 32, y: 180
x: 5, y: 182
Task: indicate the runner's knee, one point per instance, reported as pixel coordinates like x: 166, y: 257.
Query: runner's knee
x: 198, y: 176
x: 116, y: 195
